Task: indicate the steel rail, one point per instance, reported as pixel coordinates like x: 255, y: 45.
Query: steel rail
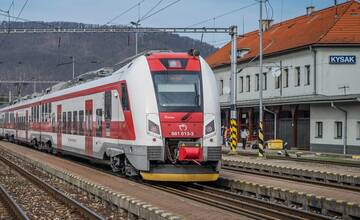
x: 292, y: 178
x: 301, y: 159
x: 85, y: 212
x: 284, y: 212
x: 12, y: 206
x: 223, y: 203
x: 238, y: 204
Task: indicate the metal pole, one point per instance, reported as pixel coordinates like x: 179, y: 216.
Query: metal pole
x: 73, y: 66
x: 136, y: 43
x: 233, y: 113
x: 260, y: 130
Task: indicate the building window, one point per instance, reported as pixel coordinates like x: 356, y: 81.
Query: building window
x: 338, y: 129
x: 277, y: 82
x: 307, y: 75
x: 358, y: 130
x: 297, y: 76
x: 221, y: 87
x: 241, y: 84
x: 264, y: 81
x: 257, y: 82
x: 319, y: 129
x: 248, y: 83
x: 286, y: 78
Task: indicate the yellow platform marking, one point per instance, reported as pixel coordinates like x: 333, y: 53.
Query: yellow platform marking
x: 173, y: 177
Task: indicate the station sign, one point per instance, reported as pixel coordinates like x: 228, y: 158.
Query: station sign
x: 342, y: 59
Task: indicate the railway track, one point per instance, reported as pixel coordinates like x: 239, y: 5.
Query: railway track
x: 236, y: 203
x: 304, y: 160
x: 320, y: 182
x: 38, y: 198
x: 226, y: 200
x: 9, y: 209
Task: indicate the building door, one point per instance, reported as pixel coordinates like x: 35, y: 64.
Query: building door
x: 303, y: 133
x: 59, y: 126
x: 26, y: 125
x: 284, y: 131
x: 89, y: 127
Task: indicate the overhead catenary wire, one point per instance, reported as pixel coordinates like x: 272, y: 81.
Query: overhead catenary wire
x: 21, y: 10
x: 148, y: 12
x: 161, y: 9
x: 124, y: 12
x: 222, y: 15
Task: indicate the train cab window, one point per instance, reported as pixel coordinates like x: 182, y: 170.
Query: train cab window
x: 69, y: 124
x: 81, y: 122
x: 124, y: 98
x: 75, y: 123
x: 107, y: 105
x: 99, y: 122
x: 64, y: 122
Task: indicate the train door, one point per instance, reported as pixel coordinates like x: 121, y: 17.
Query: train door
x: 58, y: 129
x: 89, y: 127
x: 26, y: 125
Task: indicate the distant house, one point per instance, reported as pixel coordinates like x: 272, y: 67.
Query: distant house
x: 311, y: 79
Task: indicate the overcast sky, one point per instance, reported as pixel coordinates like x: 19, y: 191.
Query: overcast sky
x: 181, y: 14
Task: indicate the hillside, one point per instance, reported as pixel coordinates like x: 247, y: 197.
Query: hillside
x: 46, y: 56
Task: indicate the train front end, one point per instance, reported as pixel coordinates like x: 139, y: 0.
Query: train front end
x: 189, y: 119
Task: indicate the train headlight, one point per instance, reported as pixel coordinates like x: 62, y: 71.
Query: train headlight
x: 210, y: 127
x: 153, y: 127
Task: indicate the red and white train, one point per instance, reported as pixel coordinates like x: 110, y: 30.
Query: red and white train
x: 157, y: 116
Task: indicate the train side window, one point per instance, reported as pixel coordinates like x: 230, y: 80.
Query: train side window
x: 64, y: 123
x: 38, y: 113
x: 81, y: 122
x: 99, y: 122
x: 69, y: 124
x: 107, y: 104
x: 75, y: 123
x: 124, y: 98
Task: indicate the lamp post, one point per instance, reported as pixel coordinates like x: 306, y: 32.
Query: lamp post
x: 136, y: 24
x: 73, y: 66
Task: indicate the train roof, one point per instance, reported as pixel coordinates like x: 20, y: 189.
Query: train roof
x: 93, y: 75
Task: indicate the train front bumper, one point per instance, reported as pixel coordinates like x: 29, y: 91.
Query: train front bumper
x: 181, y: 173
x: 183, y: 177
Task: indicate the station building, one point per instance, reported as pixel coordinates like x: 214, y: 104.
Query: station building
x: 311, y: 79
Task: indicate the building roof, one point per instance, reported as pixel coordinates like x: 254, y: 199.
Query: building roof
x: 338, y: 24
x: 304, y: 99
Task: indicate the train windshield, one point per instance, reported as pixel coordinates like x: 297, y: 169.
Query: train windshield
x: 178, y: 90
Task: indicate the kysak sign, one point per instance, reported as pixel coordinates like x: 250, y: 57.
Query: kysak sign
x: 342, y: 59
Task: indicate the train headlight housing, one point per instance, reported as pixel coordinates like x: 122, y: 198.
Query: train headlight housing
x: 153, y: 127
x: 210, y: 127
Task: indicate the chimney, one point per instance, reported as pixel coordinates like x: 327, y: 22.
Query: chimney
x: 310, y: 10
x: 266, y: 24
